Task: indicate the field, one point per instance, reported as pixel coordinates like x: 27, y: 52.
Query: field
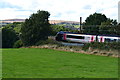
x: 48, y: 63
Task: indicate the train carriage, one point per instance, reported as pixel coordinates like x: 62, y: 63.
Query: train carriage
x: 80, y: 38
x: 85, y: 38
x: 107, y: 38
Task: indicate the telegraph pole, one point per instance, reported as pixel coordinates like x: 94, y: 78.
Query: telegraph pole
x: 80, y: 24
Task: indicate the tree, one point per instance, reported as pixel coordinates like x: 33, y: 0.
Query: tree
x: 108, y: 27
x: 9, y: 37
x: 35, y: 28
x: 117, y: 29
x: 17, y: 26
x: 95, y: 19
x: 114, y: 22
x: 98, y: 23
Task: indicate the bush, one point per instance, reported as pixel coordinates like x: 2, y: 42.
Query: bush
x: 102, y: 46
x: 41, y: 42
x: 114, y: 45
x: 48, y: 41
x: 18, y: 44
x: 9, y: 37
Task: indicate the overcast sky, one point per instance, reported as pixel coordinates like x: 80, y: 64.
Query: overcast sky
x: 59, y: 9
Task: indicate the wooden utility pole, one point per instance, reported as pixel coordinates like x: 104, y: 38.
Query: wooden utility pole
x: 80, y: 24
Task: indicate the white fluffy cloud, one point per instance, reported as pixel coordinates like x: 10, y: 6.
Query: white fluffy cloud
x: 59, y: 9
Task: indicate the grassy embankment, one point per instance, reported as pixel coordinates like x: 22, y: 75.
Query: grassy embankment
x: 47, y: 63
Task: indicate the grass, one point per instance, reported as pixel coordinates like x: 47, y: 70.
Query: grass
x: 0, y: 63
x: 47, y: 63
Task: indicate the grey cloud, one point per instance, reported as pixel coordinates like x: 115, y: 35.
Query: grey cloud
x: 8, y: 5
x: 87, y: 7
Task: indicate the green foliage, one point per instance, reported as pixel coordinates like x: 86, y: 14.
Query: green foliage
x: 114, y: 22
x: 102, y: 46
x: 117, y: 29
x: 57, y: 28
x: 8, y: 37
x: 113, y: 45
x: 102, y: 29
x: 18, y: 44
x: 42, y: 42
x: 91, y: 29
x: 48, y: 41
x: 92, y: 23
x: 17, y: 29
x: 108, y: 22
x: 108, y: 27
x: 95, y: 19
x: 48, y: 63
x: 16, y: 26
x: 100, y: 24
x: 36, y: 28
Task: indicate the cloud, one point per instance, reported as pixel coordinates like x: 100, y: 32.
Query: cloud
x: 8, y: 13
x: 59, y: 9
x: 87, y: 7
x: 7, y: 5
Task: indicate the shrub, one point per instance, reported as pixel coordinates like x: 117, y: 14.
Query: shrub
x: 48, y: 41
x: 18, y: 44
x: 9, y: 37
x: 102, y: 46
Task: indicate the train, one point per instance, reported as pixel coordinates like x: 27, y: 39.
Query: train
x: 85, y: 38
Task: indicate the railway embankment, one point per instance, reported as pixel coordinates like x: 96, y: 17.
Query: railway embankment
x: 80, y: 49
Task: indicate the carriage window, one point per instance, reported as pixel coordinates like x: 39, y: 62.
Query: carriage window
x: 77, y: 37
x: 115, y: 40
x: 107, y: 39
x: 110, y: 40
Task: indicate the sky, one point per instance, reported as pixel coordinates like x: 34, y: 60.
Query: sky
x: 70, y: 10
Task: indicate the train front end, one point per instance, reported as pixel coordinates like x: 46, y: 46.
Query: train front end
x: 60, y: 36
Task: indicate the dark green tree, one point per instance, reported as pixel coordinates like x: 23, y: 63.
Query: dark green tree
x: 108, y: 27
x: 36, y: 28
x: 98, y: 23
x: 114, y: 22
x: 16, y: 26
x: 9, y: 37
x: 117, y: 29
x: 95, y: 19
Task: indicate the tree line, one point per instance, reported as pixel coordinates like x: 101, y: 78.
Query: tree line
x: 37, y: 28
x: 98, y: 23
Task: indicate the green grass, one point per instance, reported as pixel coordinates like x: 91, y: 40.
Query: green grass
x: 47, y: 63
x: 0, y: 64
